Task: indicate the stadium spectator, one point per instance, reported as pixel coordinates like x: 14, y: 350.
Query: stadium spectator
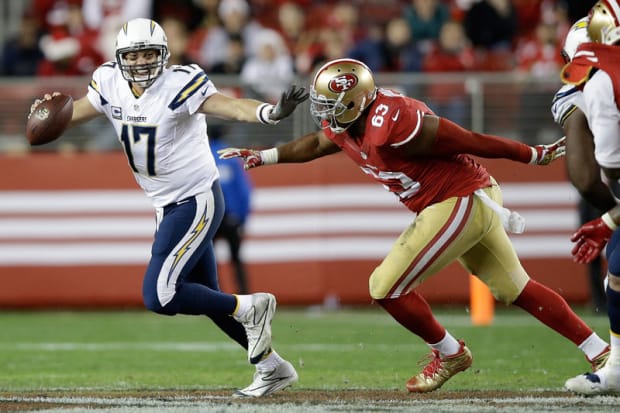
x: 425, y: 18
x: 21, y: 53
x: 190, y: 12
x: 106, y: 18
x: 269, y: 72
x: 451, y: 53
x: 209, y: 20
x: 237, y: 191
x: 235, y: 58
x: 401, y: 144
x: 292, y: 24
x: 540, y: 56
x: 389, y: 49
x: 491, y: 24
x: 537, y: 60
x: 594, y: 70
x: 237, y: 20
x: 178, y: 38
x: 68, y: 46
x: 160, y: 120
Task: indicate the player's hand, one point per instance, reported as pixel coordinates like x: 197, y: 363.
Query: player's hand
x: 37, y: 102
x: 251, y: 158
x: 288, y: 102
x: 545, y: 154
x: 590, y: 240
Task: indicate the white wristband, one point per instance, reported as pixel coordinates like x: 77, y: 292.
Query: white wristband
x: 609, y: 222
x: 262, y: 114
x: 534, y: 155
x: 269, y: 156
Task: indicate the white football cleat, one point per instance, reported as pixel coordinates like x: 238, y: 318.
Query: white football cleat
x: 603, y: 381
x: 257, y: 324
x: 268, y: 381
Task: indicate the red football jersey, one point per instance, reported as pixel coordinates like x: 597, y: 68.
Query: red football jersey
x: 419, y: 181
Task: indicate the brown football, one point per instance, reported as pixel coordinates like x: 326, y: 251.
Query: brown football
x: 49, y: 120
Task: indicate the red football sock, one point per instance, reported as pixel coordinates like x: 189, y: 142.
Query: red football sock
x: 552, y: 310
x: 413, y: 312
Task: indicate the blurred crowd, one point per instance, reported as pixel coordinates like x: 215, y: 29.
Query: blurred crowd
x: 277, y: 40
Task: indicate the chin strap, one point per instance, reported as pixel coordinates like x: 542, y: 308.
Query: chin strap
x: 511, y: 220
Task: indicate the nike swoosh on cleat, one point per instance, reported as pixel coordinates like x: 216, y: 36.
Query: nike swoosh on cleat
x: 258, y: 357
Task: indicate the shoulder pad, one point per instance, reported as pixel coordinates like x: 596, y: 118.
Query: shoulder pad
x: 577, y: 72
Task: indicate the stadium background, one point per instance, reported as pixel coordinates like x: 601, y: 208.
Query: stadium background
x: 75, y: 231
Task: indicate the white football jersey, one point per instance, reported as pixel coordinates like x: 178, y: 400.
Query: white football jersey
x: 603, y: 116
x: 165, y: 140
x: 565, y: 101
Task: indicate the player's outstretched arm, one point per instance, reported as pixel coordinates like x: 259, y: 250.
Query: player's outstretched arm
x: 440, y: 136
x: 251, y: 110
x: 83, y: 111
x: 306, y: 148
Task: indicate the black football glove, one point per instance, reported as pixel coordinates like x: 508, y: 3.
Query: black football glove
x: 288, y: 102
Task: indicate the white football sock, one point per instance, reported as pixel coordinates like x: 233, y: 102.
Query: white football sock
x: 614, y: 356
x: 244, y: 303
x: 593, y: 346
x: 448, y: 345
x: 270, y: 362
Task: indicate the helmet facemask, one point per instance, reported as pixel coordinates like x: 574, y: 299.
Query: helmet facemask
x: 142, y: 75
x: 326, y: 112
x: 141, y: 35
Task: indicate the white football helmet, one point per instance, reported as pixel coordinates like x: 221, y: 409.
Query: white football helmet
x: 137, y: 35
x: 340, y: 92
x: 604, y: 26
x: 577, y: 34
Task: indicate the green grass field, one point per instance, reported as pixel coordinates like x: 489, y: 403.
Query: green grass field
x: 133, y: 351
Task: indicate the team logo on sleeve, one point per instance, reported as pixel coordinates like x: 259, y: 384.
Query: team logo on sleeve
x: 342, y: 83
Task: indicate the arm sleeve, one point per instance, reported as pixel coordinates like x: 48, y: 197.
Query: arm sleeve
x: 451, y: 139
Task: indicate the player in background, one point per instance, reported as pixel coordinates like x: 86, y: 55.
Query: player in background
x: 158, y: 113
x: 237, y: 191
x: 594, y: 70
x: 423, y: 159
x: 583, y: 170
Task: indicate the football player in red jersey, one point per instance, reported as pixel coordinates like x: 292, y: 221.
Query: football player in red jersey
x: 595, y: 71
x: 423, y: 159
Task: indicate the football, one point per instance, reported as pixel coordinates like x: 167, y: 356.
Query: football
x: 49, y: 120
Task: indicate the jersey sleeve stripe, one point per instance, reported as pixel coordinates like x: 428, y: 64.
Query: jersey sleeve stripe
x: 93, y: 85
x: 413, y: 134
x: 188, y: 90
x: 566, y: 114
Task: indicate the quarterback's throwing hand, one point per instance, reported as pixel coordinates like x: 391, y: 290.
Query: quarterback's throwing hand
x: 288, y: 102
x: 545, y: 154
x: 590, y: 240
x: 251, y: 158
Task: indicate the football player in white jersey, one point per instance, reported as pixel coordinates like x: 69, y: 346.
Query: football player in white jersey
x: 158, y: 113
x: 567, y: 109
x: 595, y: 69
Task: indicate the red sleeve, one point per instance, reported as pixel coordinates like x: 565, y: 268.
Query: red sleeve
x: 451, y: 139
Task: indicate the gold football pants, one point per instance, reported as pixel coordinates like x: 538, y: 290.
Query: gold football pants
x: 463, y: 229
